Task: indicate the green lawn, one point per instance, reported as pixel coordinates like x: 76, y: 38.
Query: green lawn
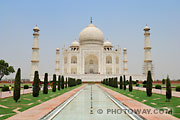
x: 28, y: 99
x: 162, y: 85
x: 159, y: 100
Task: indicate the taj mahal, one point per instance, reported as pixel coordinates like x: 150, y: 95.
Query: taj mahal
x: 91, y: 58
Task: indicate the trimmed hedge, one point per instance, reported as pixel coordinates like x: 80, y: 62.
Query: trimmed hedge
x: 79, y: 81
x: 26, y: 87
x: 178, y: 88
x: 5, y: 88
x: 144, y: 85
x: 144, y: 82
x: 71, y: 82
x: 158, y: 87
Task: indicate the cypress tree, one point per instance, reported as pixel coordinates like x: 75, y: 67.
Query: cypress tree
x: 54, y: 83
x: 121, y: 85
x: 62, y: 82
x: 59, y: 82
x: 66, y: 83
x: 124, y: 82
x: 163, y: 81
x: 109, y: 81
x: 116, y: 82
x: 149, y: 84
x: 130, y: 84
x: 36, y: 84
x: 112, y: 82
x: 17, y: 85
x: 168, y: 89
x: 45, y: 88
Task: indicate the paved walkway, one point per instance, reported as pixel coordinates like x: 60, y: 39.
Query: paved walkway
x: 8, y: 94
x: 80, y: 107
x: 135, y: 105
x: 163, y: 92
x: 41, y: 110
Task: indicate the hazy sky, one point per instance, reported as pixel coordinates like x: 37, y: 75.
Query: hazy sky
x: 121, y: 21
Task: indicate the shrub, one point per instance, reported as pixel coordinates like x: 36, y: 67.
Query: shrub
x: 163, y: 81
x: 79, y: 81
x: 121, y: 83
x: 5, y: 88
x: 124, y: 82
x: 137, y: 81
x: 130, y: 84
x: 26, y: 87
x: 168, y: 89
x: 66, y: 83
x: 59, y: 82
x: 71, y: 82
x: 45, y: 88
x: 149, y: 84
x: 144, y: 82
x: 178, y: 88
x: 158, y: 87
x: 115, y: 82
x: 137, y: 85
x: 54, y: 83
x: 133, y: 82
x: 127, y: 82
x: 36, y: 84
x: 62, y: 82
x: 144, y: 85
x: 17, y: 86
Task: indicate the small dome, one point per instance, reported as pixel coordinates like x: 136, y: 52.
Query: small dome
x: 36, y: 29
x: 75, y: 43
x: 91, y: 35
x: 146, y: 28
x: 57, y: 49
x: 107, y: 43
x: 125, y: 49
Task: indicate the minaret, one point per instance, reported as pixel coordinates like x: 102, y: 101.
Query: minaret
x: 35, y: 52
x: 147, y: 51
x: 57, y: 61
x: 125, y: 69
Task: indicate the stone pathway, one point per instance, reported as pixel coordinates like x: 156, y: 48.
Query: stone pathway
x: 26, y: 99
x: 3, y: 106
x: 91, y: 104
x: 153, y: 103
x: 163, y: 92
x: 23, y: 91
x: 44, y: 108
x: 144, y: 100
x: 178, y: 106
x: 136, y: 105
x: 156, y: 98
x: 16, y: 110
x: 7, y: 94
x: 30, y: 103
x: 6, y: 114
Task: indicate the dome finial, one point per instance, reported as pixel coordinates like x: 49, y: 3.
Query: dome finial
x: 91, y: 20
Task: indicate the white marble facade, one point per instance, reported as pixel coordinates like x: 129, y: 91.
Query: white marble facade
x: 91, y: 58
x: 91, y: 55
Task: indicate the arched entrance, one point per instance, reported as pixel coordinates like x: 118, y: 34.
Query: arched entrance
x: 91, y: 64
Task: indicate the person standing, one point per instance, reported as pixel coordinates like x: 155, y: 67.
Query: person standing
x: 10, y: 88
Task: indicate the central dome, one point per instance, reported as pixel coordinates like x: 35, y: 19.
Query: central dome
x: 91, y: 35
